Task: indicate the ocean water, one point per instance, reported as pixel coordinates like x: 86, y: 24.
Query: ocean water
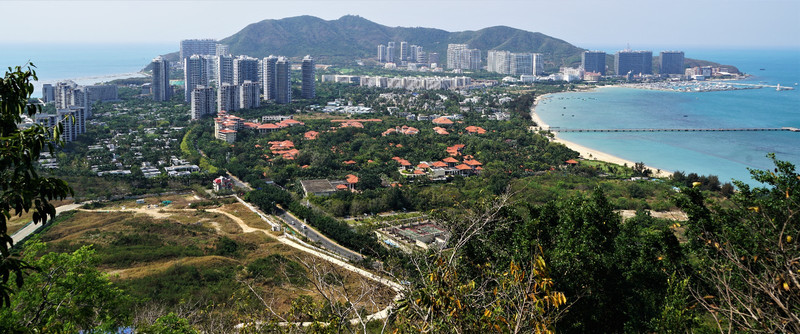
x: 725, y: 154
x: 83, y: 63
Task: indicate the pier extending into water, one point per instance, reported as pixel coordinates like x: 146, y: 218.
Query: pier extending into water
x: 557, y: 129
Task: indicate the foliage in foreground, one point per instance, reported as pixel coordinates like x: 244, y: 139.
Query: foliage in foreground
x: 749, y: 258
x: 65, y: 293
x: 21, y: 187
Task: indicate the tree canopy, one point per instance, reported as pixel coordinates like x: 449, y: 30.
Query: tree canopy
x: 21, y: 187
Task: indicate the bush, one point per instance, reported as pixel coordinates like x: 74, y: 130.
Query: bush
x: 276, y: 270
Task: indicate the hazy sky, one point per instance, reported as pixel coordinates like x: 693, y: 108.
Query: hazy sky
x: 586, y: 23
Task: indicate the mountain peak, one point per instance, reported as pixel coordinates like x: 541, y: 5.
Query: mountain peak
x: 351, y: 36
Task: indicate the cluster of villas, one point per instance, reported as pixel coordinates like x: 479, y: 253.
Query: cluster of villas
x: 442, y: 169
x: 227, y: 126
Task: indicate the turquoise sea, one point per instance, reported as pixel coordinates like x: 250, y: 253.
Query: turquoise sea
x: 83, y: 63
x: 725, y: 154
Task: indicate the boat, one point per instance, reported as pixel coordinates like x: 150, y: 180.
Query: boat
x: 760, y: 69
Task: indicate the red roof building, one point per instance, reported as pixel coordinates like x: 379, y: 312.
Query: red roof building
x: 475, y: 130
x: 311, y: 135
x: 442, y: 121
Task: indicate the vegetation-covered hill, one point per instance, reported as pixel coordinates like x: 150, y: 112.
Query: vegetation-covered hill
x: 354, y: 37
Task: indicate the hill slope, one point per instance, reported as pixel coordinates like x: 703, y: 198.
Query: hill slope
x: 352, y: 37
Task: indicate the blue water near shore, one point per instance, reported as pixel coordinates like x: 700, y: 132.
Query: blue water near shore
x: 84, y: 63
x: 726, y: 154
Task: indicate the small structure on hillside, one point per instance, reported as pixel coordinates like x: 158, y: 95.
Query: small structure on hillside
x: 222, y: 183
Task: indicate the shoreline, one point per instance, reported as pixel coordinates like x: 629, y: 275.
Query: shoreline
x: 587, y: 153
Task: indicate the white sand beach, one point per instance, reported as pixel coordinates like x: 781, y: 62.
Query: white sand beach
x: 586, y: 152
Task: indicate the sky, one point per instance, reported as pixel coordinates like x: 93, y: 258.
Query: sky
x: 585, y: 23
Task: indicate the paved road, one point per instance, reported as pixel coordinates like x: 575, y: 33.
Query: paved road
x: 239, y: 183
x: 317, y: 237
x: 28, y: 229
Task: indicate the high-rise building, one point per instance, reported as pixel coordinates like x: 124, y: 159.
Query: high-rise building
x: 460, y: 56
x: 506, y: 62
x: 228, y: 97
x: 283, y: 81
x: 245, y: 68
x: 249, y: 95
x: 202, y: 47
x: 65, y: 94
x: 269, y: 83
x: 412, y: 54
x: 204, y: 101
x: 419, y: 55
x: 634, y: 62
x: 224, y: 70
x: 594, y: 61
x: 403, y: 51
x: 671, y: 62
x: 498, y: 61
x: 162, y: 91
x: 390, y: 53
x: 523, y: 64
x: 195, y: 73
x: 222, y: 50
x: 73, y: 120
x: 309, y: 78
x: 48, y: 93
x: 382, y: 57
x: 103, y: 93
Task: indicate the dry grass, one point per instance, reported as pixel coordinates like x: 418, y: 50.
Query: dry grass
x: 249, y: 217
x: 202, y: 229
x: 150, y: 269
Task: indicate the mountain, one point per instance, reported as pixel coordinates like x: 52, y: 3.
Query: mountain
x: 351, y: 37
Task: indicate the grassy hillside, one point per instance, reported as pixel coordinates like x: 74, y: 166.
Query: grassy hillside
x: 192, y: 253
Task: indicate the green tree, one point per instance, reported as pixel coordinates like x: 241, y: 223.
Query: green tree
x: 66, y: 293
x: 21, y: 187
x: 169, y: 324
x: 748, y: 254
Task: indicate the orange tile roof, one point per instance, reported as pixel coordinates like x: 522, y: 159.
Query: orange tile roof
x: 475, y: 129
x: 341, y: 187
x: 473, y: 162
x: 571, y: 162
x: 227, y: 131
x: 442, y: 121
x: 418, y: 172
x: 352, y: 178
x: 440, y: 131
x: 423, y: 166
x: 311, y: 135
x: 268, y: 126
x: 439, y: 164
x: 396, y: 158
x: 463, y: 167
x: 404, y: 162
x: 450, y: 160
x: 292, y: 121
x: 352, y: 124
x: 349, y: 162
